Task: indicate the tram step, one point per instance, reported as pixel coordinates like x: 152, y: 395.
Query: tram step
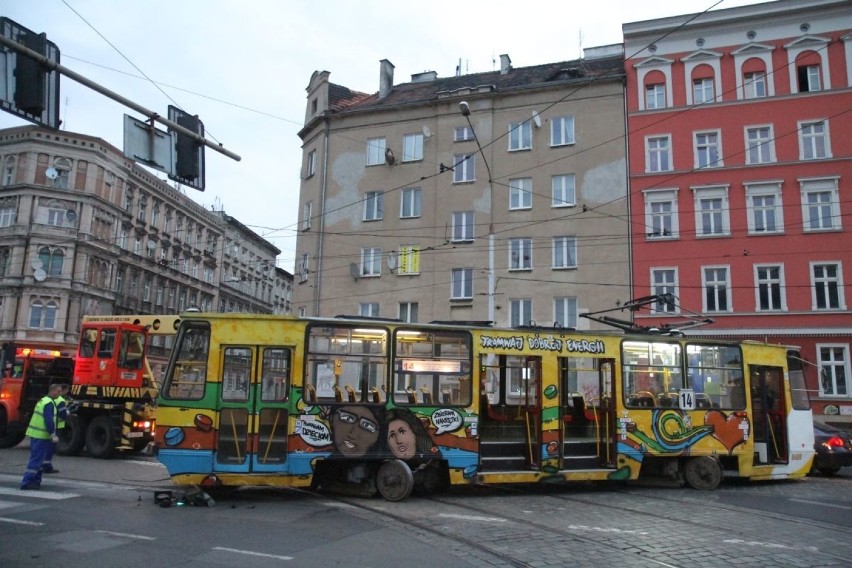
x: 504, y: 463
x: 581, y: 462
x: 579, y: 448
x: 502, y: 448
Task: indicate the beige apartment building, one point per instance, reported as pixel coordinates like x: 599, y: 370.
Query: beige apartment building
x: 497, y: 196
x: 85, y: 231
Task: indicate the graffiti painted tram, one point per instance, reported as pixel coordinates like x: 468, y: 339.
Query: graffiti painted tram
x: 390, y: 407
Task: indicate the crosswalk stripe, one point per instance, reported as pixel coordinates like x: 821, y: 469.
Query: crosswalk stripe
x: 38, y: 494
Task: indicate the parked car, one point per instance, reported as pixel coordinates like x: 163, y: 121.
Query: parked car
x: 833, y: 449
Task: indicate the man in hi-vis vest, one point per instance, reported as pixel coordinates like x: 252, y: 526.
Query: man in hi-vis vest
x: 42, y: 433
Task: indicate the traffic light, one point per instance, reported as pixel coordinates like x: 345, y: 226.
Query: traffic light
x: 30, y: 76
x: 188, y: 152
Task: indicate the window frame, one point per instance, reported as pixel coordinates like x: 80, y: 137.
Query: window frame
x: 721, y: 289
x: 411, y: 203
x: 827, y: 289
x: 720, y: 219
x: 520, y: 312
x: 415, y: 153
x: 464, y: 168
x: 373, y: 206
x: 827, y: 213
x: 657, y: 152
x: 463, y: 222
x: 520, y: 254
x: 520, y: 136
x: 559, y: 195
x: 833, y: 372
x: 562, y: 131
x: 704, y: 149
x: 371, y: 262
x: 520, y: 194
x: 754, y: 210
x: 376, y: 151
x: 655, y: 92
x: 461, y: 284
x: 661, y: 286
x: 562, y: 311
x: 564, y: 248
x: 771, y: 288
x: 758, y: 146
x: 810, y: 142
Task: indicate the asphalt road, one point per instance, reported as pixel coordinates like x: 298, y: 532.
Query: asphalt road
x: 102, y: 513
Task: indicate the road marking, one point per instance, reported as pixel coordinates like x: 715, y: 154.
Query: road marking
x: 821, y: 504
x: 252, y: 553
x: 19, y: 522
x: 607, y: 530
x: 472, y: 518
x: 37, y: 494
x: 127, y: 535
x: 770, y: 545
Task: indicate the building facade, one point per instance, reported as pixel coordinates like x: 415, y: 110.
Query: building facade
x: 85, y: 231
x: 741, y: 175
x: 496, y: 196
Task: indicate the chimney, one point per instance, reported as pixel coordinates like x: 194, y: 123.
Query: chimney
x: 385, y: 78
x: 505, y: 64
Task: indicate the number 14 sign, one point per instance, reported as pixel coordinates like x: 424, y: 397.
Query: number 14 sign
x: 686, y: 399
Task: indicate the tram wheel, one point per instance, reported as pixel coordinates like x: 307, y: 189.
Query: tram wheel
x: 702, y: 473
x: 394, y: 480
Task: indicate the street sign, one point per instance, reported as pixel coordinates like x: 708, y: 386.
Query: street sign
x: 144, y: 143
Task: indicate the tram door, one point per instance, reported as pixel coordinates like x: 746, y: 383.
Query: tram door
x: 510, y: 424
x: 253, y: 416
x: 769, y: 414
x: 586, y: 412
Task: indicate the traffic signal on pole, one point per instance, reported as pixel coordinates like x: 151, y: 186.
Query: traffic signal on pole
x: 188, y: 152
x: 30, y: 76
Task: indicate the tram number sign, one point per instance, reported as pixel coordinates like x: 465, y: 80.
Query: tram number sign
x: 686, y: 399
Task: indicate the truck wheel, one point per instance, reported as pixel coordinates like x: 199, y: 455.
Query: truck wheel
x: 8, y: 439
x: 72, y: 438
x: 100, y: 440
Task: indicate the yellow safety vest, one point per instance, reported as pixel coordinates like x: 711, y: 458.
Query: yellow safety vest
x: 37, y: 427
x: 61, y: 404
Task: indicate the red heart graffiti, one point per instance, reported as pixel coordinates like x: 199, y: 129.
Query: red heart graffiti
x: 726, y: 429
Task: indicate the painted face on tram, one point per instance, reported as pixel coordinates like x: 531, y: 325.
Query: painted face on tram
x: 401, y: 439
x: 355, y: 430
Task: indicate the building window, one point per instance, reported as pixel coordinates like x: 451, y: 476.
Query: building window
x: 826, y: 286
x: 520, y: 193
x: 708, y: 150
x: 808, y: 78
x: 813, y: 140
x: 376, y: 148
x: 373, y: 203
x: 658, y: 154
x: 520, y: 254
x: 661, y: 214
x: 63, y: 170
x: 565, y: 312
x: 7, y: 214
x: 563, y: 192
x: 464, y: 168
x: 462, y: 226
x: 760, y: 145
x: 410, y: 204
x: 369, y: 309
x: 562, y: 131
x: 702, y: 91
x: 311, y: 166
x: 764, y: 209
x: 55, y: 216
x: 9, y: 171
x: 664, y: 281
x: 5, y: 255
x: 371, y: 261
x: 520, y: 135
x: 711, y: 212
x: 769, y: 287
x: 462, y: 284
x: 307, y: 215
x: 462, y: 133
x: 754, y: 85
x: 520, y: 311
x: 655, y: 96
x: 564, y: 252
x: 834, y: 369
x: 409, y: 260
x: 43, y: 314
x: 716, y: 289
x: 51, y: 260
x: 412, y: 147
x: 408, y: 312
x: 820, y: 205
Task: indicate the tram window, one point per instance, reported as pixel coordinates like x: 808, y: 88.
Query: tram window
x: 651, y: 373
x: 275, y: 373
x: 432, y: 368
x: 187, y: 377
x: 716, y: 372
x: 798, y: 387
x: 346, y: 364
x: 580, y: 374
x: 236, y: 373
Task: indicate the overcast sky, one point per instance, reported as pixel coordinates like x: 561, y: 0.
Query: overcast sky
x: 243, y: 67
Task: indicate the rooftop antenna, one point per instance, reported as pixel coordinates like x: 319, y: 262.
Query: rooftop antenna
x: 580, y: 43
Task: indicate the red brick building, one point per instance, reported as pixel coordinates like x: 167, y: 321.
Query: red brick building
x: 740, y: 162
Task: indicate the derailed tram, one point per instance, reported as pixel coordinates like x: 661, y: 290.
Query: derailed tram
x: 390, y: 407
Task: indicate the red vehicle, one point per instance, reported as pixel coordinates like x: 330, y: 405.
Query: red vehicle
x: 27, y: 372
x: 113, y: 387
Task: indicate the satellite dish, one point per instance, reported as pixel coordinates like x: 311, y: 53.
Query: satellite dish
x: 71, y: 216
x: 536, y: 119
x: 51, y: 173
x: 389, y: 157
x: 392, y: 260
x: 427, y: 132
x: 353, y: 271
x: 152, y: 244
x: 40, y: 275
x: 37, y: 264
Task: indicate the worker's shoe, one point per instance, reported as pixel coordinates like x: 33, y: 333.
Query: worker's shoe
x: 50, y: 470
x: 30, y: 487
